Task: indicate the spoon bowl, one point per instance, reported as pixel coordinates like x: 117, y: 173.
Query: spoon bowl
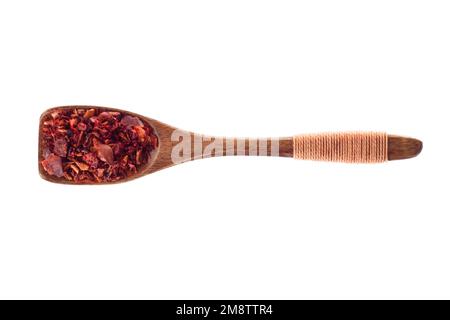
x: 141, y: 170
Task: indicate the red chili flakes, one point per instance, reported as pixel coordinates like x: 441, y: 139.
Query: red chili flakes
x: 105, y: 153
x: 60, y: 148
x: 90, y: 159
x: 95, y: 145
x: 53, y: 165
x: 130, y: 121
x: 82, y: 126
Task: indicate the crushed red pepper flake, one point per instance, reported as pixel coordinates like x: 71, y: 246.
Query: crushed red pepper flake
x: 53, y: 165
x: 60, y: 148
x: 95, y: 146
x: 105, y: 153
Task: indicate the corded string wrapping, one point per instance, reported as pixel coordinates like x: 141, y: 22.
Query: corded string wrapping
x: 350, y: 147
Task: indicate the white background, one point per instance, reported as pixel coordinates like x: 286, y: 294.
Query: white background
x: 231, y: 227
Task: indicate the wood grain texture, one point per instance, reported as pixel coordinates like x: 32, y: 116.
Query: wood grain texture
x: 400, y: 148
x: 229, y: 146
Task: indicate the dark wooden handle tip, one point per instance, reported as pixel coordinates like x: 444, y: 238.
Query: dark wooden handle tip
x: 403, y: 148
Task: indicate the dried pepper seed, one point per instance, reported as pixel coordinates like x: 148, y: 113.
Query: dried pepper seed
x: 94, y: 145
x: 82, y: 166
x: 89, y: 113
x: 142, y: 135
x: 74, y: 168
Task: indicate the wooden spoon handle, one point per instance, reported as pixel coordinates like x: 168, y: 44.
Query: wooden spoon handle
x: 190, y: 146
x: 352, y: 147
x: 215, y: 146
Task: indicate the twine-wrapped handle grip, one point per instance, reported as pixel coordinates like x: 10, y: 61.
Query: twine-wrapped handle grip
x: 350, y: 147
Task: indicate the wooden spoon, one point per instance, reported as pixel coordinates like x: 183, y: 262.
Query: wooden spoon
x: 177, y: 146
